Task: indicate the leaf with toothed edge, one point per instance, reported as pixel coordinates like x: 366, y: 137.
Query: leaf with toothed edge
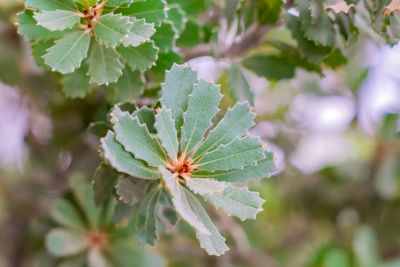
x: 214, y: 243
x: 166, y: 132
x: 131, y: 190
x: 28, y: 28
x: 139, y: 33
x: 112, y: 29
x: 236, y: 122
x: 128, y: 87
x: 181, y: 203
x: 203, y: 105
x: 117, y: 3
x: 176, y: 16
x: 164, y: 37
x: 135, y: 138
x: 176, y: 90
x: 104, y: 181
x: 104, y: 65
x: 51, y: 5
x: 153, y: 11
x: 68, y: 52
x: 76, y: 84
x: 57, y: 20
x: 205, y: 185
x: 239, y: 153
x: 139, y: 58
x: 146, y: 116
x: 125, y: 162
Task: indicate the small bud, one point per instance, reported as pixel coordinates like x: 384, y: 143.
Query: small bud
x: 264, y: 146
x: 158, y: 110
x: 53, y: 69
x: 107, y: 83
x: 147, y: 39
x: 260, y: 209
x: 153, y: 64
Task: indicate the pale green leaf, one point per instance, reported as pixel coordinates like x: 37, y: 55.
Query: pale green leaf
x: 166, y: 132
x: 139, y: 58
x: 131, y: 190
x: 112, y: 29
x: 166, y: 212
x: 181, y: 203
x: 104, y: 65
x: 51, y: 5
x: 146, y: 116
x: 57, y: 20
x: 147, y: 220
x: 68, y: 52
x: 104, y: 181
x: 125, y: 162
x: 165, y: 37
x: 175, y: 91
x: 214, y: 243
x: 153, y: 11
x: 239, y: 153
x: 203, y: 105
x: 176, y: 15
x: 139, y: 33
x: 128, y: 87
x: 66, y: 214
x: 38, y: 51
x: 117, y: 3
x: 205, y: 185
x: 28, y: 28
x: 61, y: 242
x: 86, y: 3
x: 237, y: 201
x: 76, y: 84
x: 96, y: 258
x: 239, y: 87
x: 236, y: 122
x: 135, y: 138
x: 263, y: 169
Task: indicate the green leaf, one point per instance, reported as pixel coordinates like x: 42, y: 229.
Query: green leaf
x: 203, y: 105
x: 192, y: 35
x: 139, y: 58
x: 165, y: 36
x: 263, y: 169
x: 239, y: 87
x: 153, y: 11
x: 239, y: 153
x: 237, y: 201
x: 166, y: 212
x: 86, y: 2
x: 176, y: 16
x: 214, y: 243
x: 123, y: 213
x: 175, y: 91
x: 164, y: 62
x: 51, y: 5
x: 167, y: 133
x: 128, y: 87
x: 117, y: 3
x: 61, y: 242
x: 268, y: 11
x: 57, y: 20
x: 135, y: 138
x: 146, y: 116
x: 139, y: 33
x: 270, y: 66
x: 104, y: 180
x: 28, y: 28
x: 66, y: 214
x: 365, y: 247
x: 192, y: 7
x: 131, y: 190
x: 147, y: 220
x: 104, y: 65
x: 125, y: 162
x: 112, y: 29
x: 236, y: 122
x: 76, y: 84
x: 99, y: 128
x: 181, y: 203
x: 38, y: 50
x: 68, y: 52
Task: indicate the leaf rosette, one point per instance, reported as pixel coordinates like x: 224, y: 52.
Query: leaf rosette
x: 180, y: 151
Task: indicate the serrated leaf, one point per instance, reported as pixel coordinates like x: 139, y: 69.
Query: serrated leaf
x: 167, y: 133
x: 139, y: 32
x: 165, y: 36
x: 192, y: 7
x: 166, y: 212
x: 99, y: 128
x: 239, y: 153
x: 104, y: 65
x: 176, y: 16
x: 270, y: 66
x: 214, y: 243
x: 147, y: 219
x: 112, y: 29
x: 29, y: 29
x: 237, y: 201
x: 66, y: 214
x: 175, y: 91
x: 51, y: 5
x: 86, y: 3
x: 104, y: 180
x: 263, y: 169
x: 163, y: 63
x: 117, y: 3
x: 146, y: 116
x: 131, y: 190
x: 235, y: 123
x: 57, y: 20
x: 205, y: 185
x: 136, y: 139
x: 68, y: 52
x: 38, y: 50
x: 128, y: 87
x: 61, y: 242
x: 238, y: 85
x: 125, y: 162
x: 153, y: 11
x: 203, y: 105
x: 76, y: 84
x: 139, y: 58
x: 181, y: 203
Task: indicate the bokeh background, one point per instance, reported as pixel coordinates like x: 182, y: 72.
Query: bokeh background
x: 333, y: 201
